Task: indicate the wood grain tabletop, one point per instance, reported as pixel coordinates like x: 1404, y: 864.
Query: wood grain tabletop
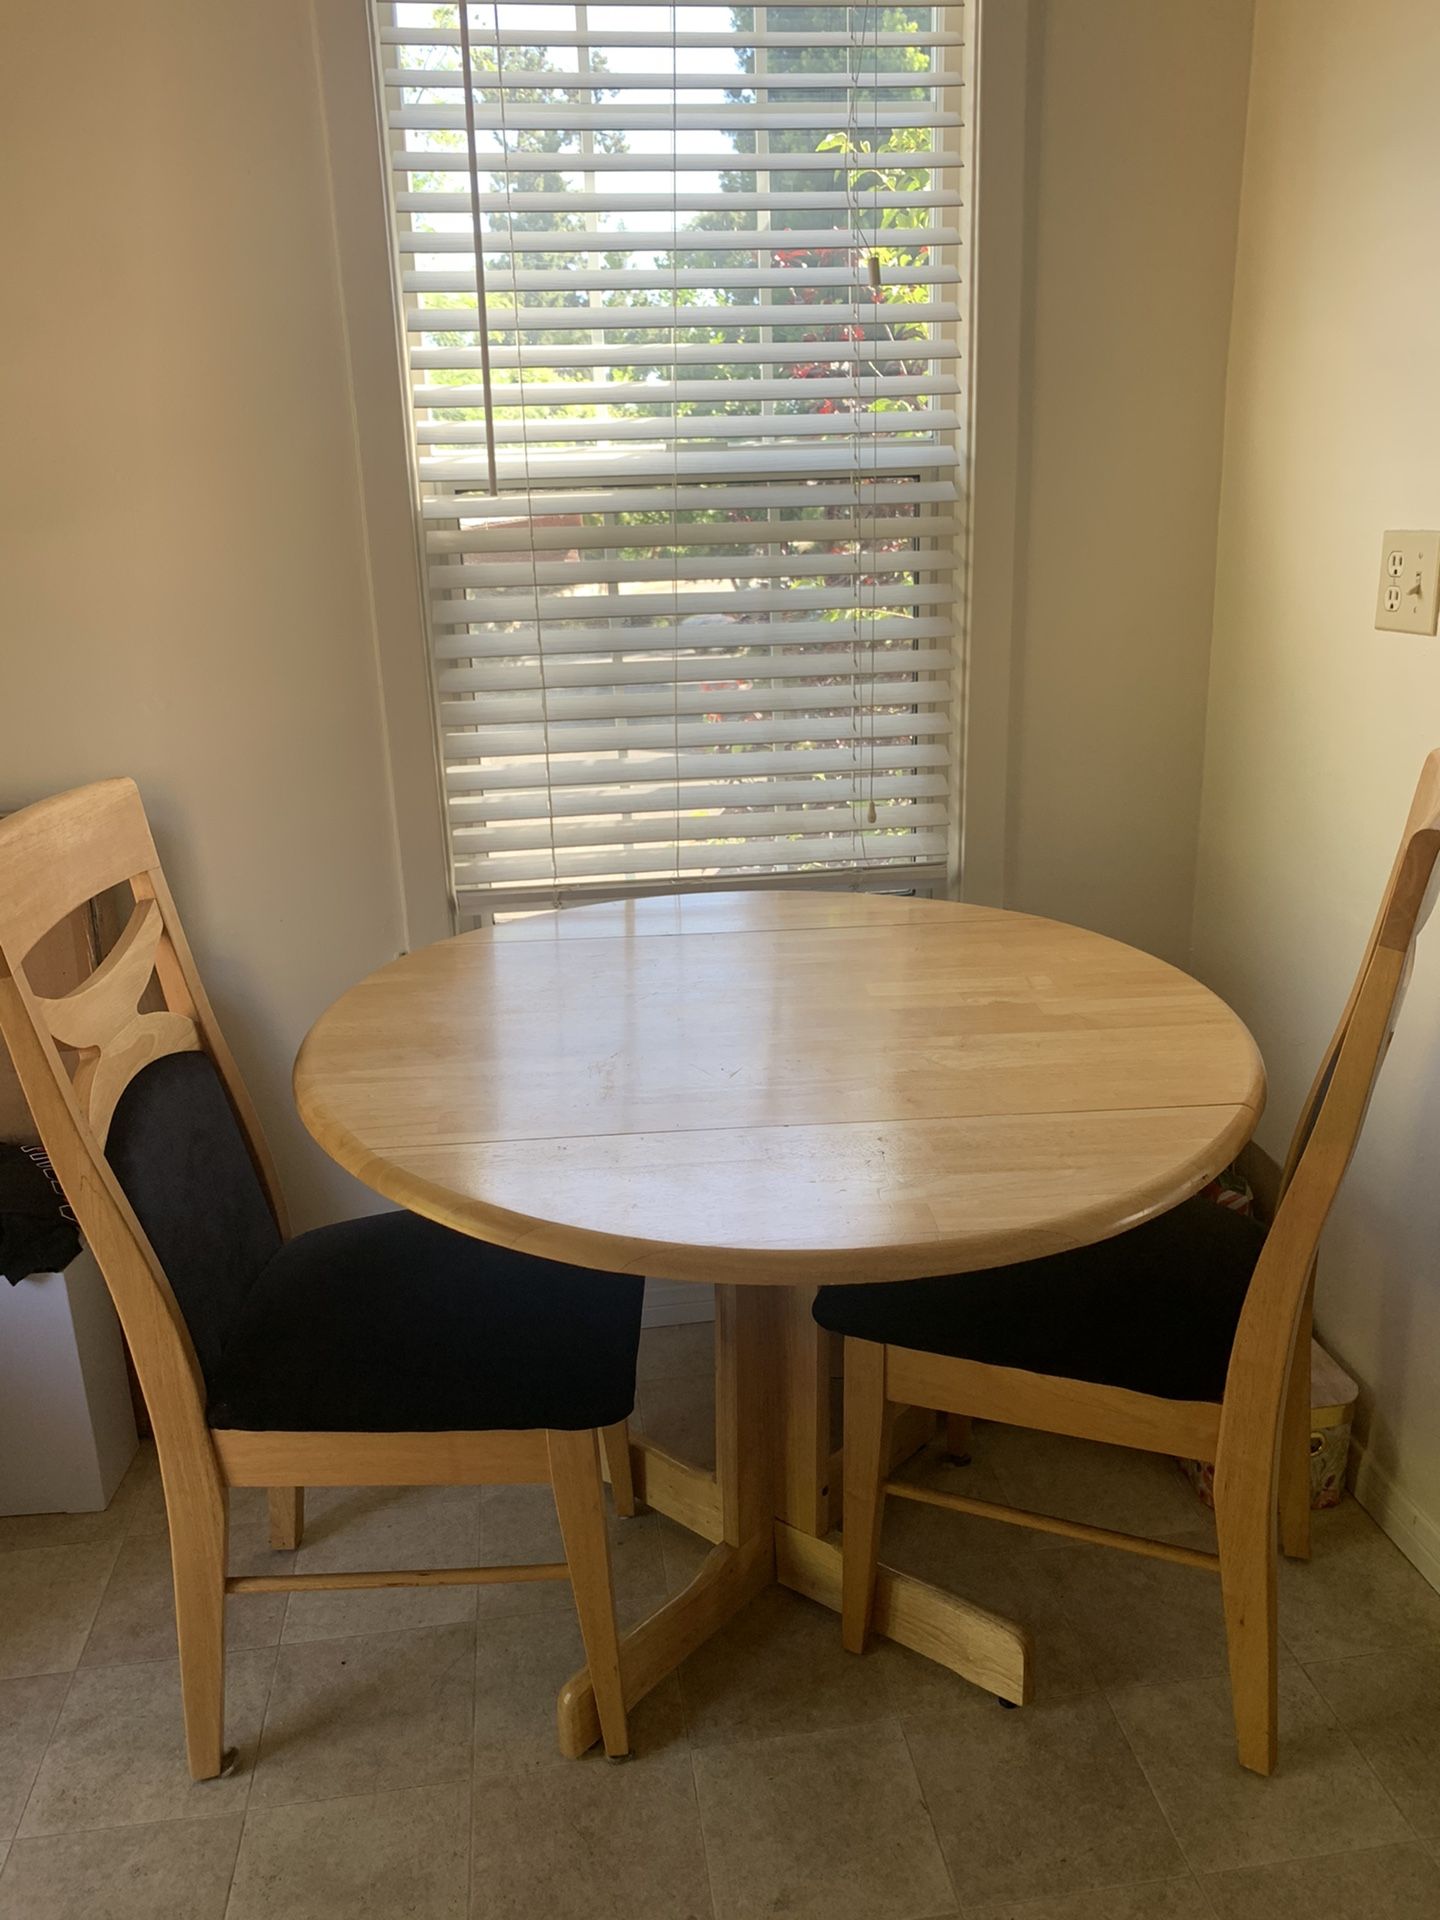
x: 782, y: 1088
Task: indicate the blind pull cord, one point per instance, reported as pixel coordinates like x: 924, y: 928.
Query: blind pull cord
x: 482, y: 311
x: 529, y: 479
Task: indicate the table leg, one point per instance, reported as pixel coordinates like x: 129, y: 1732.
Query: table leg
x: 736, y: 1506
x: 806, y: 1451
x: 768, y: 1508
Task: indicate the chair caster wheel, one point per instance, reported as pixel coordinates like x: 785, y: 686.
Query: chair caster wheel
x: 955, y: 1459
x: 1009, y: 1705
x: 229, y: 1761
x: 619, y: 1759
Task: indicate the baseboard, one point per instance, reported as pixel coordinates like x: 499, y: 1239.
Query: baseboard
x: 1412, y: 1529
x: 671, y: 1303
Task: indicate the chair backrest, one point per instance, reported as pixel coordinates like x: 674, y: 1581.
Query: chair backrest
x: 152, y: 1135
x: 1424, y: 809
x: 1328, y: 1132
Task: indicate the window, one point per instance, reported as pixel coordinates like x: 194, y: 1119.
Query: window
x: 688, y: 435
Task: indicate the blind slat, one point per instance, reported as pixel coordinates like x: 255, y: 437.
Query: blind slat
x: 431, y: 160
x: 605, y: 465
x: 652, y: 393
x: 510, y: 604
x: 664, y: 761
x: 487, y: 80
x: 695, y: 426
x: 548, y: 739
x: 703, y: 796
x: 821, y: 495
x: 622, y: 201
x: 488, y: 681
x: 660, y: 639
x: 457, y: 576
x: 664, y: 317
x: 622, y: 701
x: 670, y: 355
x: 629, y: 240
x: 574, y: 864
x: 659, y: 34
x: 642, y: 279
x: 738, y: 529
x: 524, y: 117
x: 615, y: 832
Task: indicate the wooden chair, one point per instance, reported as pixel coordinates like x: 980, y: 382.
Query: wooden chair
x: 1189, y: 1335
x: 386, y: 1351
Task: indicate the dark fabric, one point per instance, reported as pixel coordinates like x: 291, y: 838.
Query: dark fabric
x: 1154, y: 1310
x: 394, y: 1324
x: 37, y: 1228
x: 177, y: 1150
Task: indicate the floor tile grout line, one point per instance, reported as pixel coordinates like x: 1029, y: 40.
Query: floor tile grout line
x: 265, y: 1646
x: 1363, y: 1758
x: 470, y: 1797
x: 234, y: 1813
x: 261, y: 1808
x: 1332, y: 1853
x: 40, y: 1764
x: 1367, y: 1653
x: 250, y: 1776
x: 99, y: 1603
x: 929, y: 1816
x: 1198, y: 1872
x: 235, y: 1862
x: 690, y: 1756
x: 1198, y: 1881
x: 1369, y: 1765
x: 1144, y: 1771
x: 254, y: 1761
x: 1039, y: 1901
x: 95, y: 1544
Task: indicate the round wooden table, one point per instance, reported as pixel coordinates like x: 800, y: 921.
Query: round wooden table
x: 770, y: 1090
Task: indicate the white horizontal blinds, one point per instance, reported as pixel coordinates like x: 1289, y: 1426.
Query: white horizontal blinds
x: 705, y: 623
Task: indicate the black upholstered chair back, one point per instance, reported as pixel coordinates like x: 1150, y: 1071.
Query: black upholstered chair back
x: 177, y: 1151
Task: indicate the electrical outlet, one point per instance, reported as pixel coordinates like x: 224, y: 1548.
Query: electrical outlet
x: 1409, y: 596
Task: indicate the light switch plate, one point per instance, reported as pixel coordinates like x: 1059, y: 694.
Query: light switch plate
x: 1409, y: 595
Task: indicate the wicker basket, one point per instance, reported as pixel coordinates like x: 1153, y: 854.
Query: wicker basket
x: 1332, y: 1412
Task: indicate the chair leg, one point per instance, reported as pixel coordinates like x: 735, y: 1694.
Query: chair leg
x: 199, y: 1525
x: 867, y: 1457
x: 580, y: 1504
x: 1245, y: 1520
x: 957, y: 1438
x: 287, y: 1518
x: 616, y: 1442
x: 1295, y: 1449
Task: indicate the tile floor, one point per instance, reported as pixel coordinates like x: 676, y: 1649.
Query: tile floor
x: 398, y: 1762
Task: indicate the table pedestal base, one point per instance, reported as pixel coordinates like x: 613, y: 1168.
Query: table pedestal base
x: 978, y: 1645
x: 769, y: 1507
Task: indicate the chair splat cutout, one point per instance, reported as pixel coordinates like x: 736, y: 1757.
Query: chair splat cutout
x: 101, y: 1018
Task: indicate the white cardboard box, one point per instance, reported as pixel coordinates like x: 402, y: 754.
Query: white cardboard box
x: 67, y: 1424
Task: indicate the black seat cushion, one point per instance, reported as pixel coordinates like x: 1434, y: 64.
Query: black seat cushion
x: 391, y: 1323
x: 1154, y: 1310
x: 177, y: 1151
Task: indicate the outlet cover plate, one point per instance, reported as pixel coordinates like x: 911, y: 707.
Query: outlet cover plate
x: 1409, y: 595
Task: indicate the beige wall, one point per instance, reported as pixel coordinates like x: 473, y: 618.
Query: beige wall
x: 184, y: 585
x: 1137, y: 113
x: 1317, y: 723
